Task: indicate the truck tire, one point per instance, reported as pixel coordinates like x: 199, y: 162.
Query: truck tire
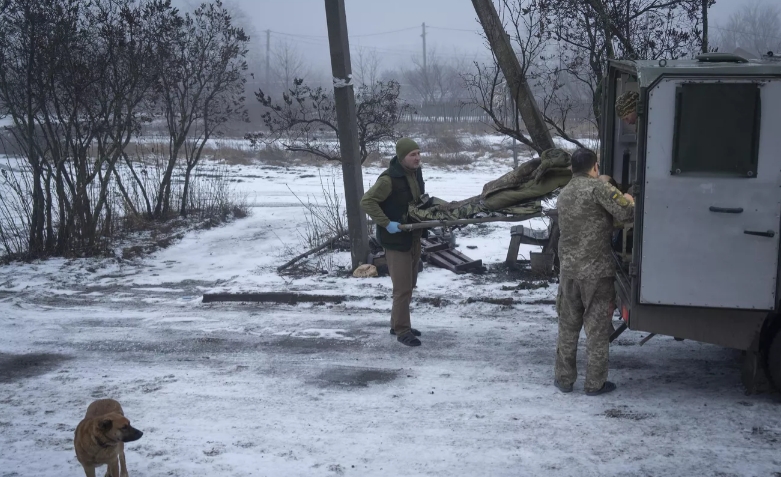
x: 774, y: 360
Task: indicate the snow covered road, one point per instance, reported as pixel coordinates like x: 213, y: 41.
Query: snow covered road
x: 240, y: 390
x: 323, y: 390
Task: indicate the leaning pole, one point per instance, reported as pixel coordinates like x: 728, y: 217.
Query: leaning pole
x: 347, y: 124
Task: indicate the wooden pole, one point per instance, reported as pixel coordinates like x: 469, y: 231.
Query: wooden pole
x: 268, y: 60
x: 425, y: 70
x: 347, y: 124
x: 705, y: 26
x: 511, y: 69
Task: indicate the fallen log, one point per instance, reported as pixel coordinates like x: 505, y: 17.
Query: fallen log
x: 329, y: 243
x: 276, y: 297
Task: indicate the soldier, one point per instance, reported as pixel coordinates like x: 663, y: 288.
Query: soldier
x: 587, y: 207
x: 387, y: 203
x: 626, y: 106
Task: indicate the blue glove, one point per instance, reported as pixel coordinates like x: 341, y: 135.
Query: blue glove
x: 393, y: 227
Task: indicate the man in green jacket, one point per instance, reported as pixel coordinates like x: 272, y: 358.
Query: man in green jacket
x: 387, y: 203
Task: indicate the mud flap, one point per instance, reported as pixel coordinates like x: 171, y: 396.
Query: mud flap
x: 752, y: 372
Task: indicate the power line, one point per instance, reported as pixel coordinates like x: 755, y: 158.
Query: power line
x: 454, y: 29
x: 352, y: 36
x: 391, y: 51
x: 386, y: 32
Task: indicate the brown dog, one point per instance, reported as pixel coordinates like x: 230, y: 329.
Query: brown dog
x: 101, y: 436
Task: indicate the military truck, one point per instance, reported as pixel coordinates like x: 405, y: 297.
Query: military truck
x: 703, y: 161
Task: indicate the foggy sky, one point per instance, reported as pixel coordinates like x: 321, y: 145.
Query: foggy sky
x: 302, y: 23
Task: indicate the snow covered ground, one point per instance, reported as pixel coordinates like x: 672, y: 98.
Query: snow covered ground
x: 320, y: 390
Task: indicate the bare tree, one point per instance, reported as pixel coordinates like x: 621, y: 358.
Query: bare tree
x: 305, y: 119
x: 366, y: 67
x: 438, y: 81
x: 558, y: 96
x: 75, y: 100
x: 287, y: 64
x: 563, y: 47
x: 591, y: 32
x: 79, y: 80
x: 202, y: 88
x: 755, y: 27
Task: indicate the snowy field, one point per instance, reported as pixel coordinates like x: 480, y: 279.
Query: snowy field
x: 323, y: 390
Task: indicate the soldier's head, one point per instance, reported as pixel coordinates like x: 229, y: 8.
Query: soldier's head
x: 408, y: 153
x: 626, y: 106
x: 584, y: 161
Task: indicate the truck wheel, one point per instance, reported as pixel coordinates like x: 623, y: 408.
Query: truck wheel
x: 774, y: 360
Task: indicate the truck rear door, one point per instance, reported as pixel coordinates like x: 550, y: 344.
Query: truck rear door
x: 712, y: 193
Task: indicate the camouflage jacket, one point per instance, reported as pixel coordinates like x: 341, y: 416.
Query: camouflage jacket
x: 587, y: 207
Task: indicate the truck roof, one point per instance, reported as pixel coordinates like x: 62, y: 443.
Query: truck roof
x: 649, y: 71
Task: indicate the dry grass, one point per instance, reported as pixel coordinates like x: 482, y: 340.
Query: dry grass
x: 449, y: 160
x: 231, y: 156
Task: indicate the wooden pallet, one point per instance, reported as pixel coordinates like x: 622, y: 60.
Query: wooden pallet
x: 440, y: 254
x: 436, y: 251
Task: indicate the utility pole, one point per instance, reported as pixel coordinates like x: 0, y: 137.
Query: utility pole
x: 424, y: 47
x: 268, y: 58
x: 347, y: 125
x: 704, y: 26
x: 511, y: 69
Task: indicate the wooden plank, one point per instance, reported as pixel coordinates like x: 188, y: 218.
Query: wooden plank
x: 435, y: 247
x: 469, y: 265
x: 512, y: 251
x: 440, y: 260
x: 460, y: 261
x: 460, y: 256
x: 530, y: 233
x: 274, y: 297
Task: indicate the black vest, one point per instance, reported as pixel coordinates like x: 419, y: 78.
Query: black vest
x: 396, y: 207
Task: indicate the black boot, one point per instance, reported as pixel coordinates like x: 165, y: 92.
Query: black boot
x: 606, y: 388
x: 408, y: 339
x: 561, y: 387
x: 413, y: 330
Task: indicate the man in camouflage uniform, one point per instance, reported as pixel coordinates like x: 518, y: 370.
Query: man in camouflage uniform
x: 387, y: 202
x: 587, y: 207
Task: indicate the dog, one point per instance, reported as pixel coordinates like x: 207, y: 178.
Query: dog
x: 100, y: 438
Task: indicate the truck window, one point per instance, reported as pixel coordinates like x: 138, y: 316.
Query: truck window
x: 716, y: 129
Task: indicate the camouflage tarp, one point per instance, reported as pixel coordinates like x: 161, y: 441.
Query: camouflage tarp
x: 519, y: 192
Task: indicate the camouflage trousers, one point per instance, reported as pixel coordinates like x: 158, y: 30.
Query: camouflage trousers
x: 584, y: 304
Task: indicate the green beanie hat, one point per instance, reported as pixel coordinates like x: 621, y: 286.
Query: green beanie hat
x: 404, y: 147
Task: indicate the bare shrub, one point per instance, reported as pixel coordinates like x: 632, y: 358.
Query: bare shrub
x: 80, y: 80
x: 324, y: 219
x: 15, y: 207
